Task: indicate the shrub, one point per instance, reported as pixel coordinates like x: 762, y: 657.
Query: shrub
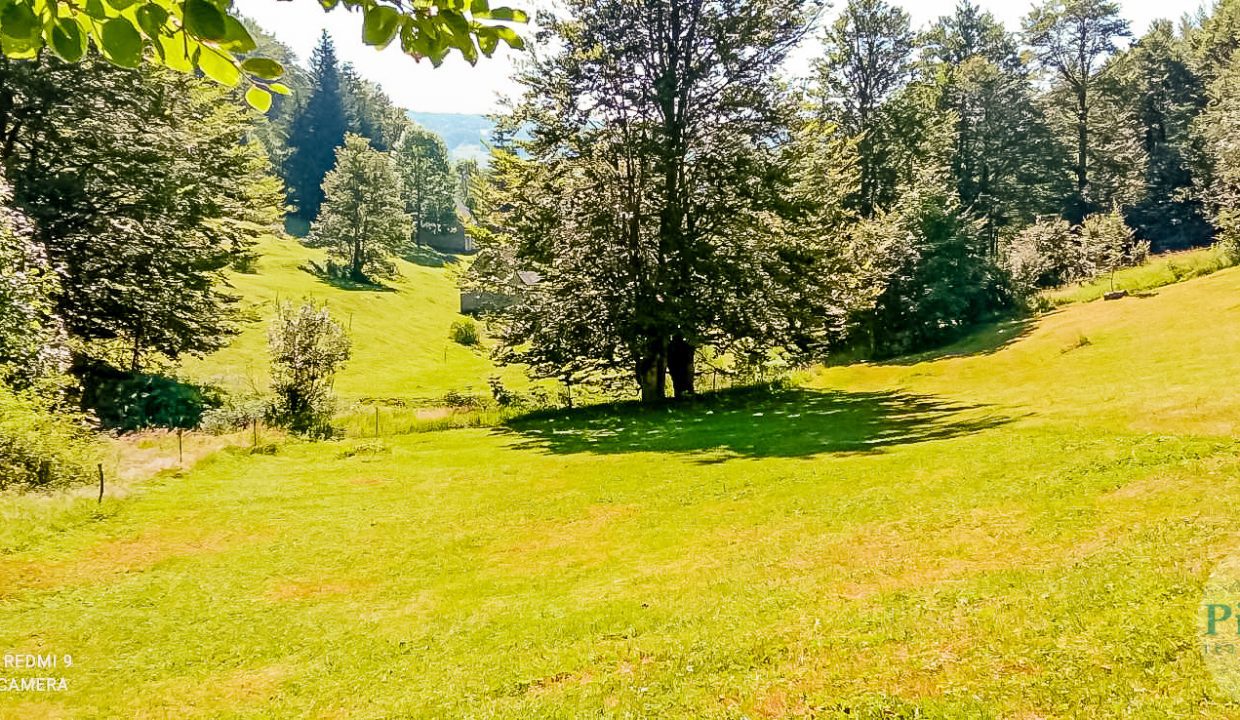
x: 128, y: 401
x: 233, y: 414
x: 40, y: 447
x: 307, y: 348
x: 939, y: 279
x: 1110, y: 244
x: 1045, y: 254
x: 465, y: 332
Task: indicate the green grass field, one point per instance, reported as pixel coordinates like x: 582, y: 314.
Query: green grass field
x: 400, y: 332
x: 1016, y: 527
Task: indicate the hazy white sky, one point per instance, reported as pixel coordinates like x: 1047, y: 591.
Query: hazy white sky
x: 457, y: 87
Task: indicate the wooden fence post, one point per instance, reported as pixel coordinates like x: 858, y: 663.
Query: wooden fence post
x: 100, y: 467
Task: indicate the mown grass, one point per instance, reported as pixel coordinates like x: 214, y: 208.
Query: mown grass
x: 401, y: 347
x: 1018, y: 529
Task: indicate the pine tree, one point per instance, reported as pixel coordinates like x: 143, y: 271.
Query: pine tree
x: 317, y: 129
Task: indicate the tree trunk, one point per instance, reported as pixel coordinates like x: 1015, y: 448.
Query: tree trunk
x: 652, y: 373
x: 680, y: 356
x: 1082, y: 142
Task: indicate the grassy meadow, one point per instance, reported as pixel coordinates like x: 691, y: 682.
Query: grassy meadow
x: 401, y: 347
x: 1019, y: 526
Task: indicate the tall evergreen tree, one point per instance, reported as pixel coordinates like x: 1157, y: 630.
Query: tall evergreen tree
x: 868, y: 60
x: 1072, y: 40
x: 317, y: 129
x: 1164, y: 93
x: 1007, y: 162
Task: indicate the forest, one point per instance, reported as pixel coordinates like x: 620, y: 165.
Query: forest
x: 709, y: 241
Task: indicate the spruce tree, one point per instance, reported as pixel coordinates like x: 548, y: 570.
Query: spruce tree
x: 317, y: 129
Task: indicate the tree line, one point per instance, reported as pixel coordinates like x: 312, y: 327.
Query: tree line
x: 684, y: 203
x: 127, y: 195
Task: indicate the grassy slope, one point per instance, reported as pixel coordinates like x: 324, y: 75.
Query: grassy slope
x: 400, y: 335
x: 1018, y: 532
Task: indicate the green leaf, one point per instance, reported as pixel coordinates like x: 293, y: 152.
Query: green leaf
x: 121, y: 4
x: 218, y: 68
x: 19, y: 23
x: 121, y: 42
x: 264, y: 68
x: 258, y: 98
x: 151, y: 19
x: 508, y: 14
x: 279, y: 89
x: 236, y: 38
x: 68, y: 40
x: 380, y: 25
x: 175, y: 54
x: 204, y: 20
x: 479, y: 8
x: 510, y: 36
x: 487, y: 41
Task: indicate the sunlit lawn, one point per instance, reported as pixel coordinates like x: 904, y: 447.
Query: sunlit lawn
x: 1018, y: 528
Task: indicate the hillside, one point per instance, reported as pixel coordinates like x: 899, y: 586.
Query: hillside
x: 1017, y: 527
x: 401, y: 347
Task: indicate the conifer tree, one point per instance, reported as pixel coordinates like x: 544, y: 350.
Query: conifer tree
x: 317, y: 129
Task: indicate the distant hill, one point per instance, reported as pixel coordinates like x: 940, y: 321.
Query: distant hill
x: 463, y: 134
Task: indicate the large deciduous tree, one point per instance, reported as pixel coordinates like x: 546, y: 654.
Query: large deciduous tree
x: 646, y: 197
x: 142, y: 192
x: 1072, y: 40
x: 427, y: 182
x: 363, y: 222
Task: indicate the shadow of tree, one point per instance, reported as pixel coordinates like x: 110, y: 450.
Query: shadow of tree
x: 985, y: 340
x: 427, y: 256
x: 756, y: 423
x: 341, y: 282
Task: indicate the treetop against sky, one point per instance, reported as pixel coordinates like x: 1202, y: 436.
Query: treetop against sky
x: 457, y: 87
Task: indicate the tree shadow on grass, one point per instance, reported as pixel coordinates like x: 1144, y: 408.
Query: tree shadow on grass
x: 794, y: 422
x: 342, y: 282
x: 985, y: 340
x: 427, y: 256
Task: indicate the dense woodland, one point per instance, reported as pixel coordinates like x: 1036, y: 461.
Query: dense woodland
x: 685, y: 202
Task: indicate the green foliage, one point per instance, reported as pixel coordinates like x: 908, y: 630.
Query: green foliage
x: 210, y: 37
x: 465, y: 332
x: 307, y: 348
x: 648, y: 219
x: 868, y: 50
x: 1216, y: 130
x: 938, y: 278
x: 316, y: 129
x: 129, y: 401
x: 362, y: 223
x: 1158, y: 83
x: 31, y: 336
x: 1072, y: 39
x: 1045, y: 254
x: 41, y: 446
x: 141, y: 195
x: 427, y: 182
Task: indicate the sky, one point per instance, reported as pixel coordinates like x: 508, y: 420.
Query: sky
x: 456, y: 87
